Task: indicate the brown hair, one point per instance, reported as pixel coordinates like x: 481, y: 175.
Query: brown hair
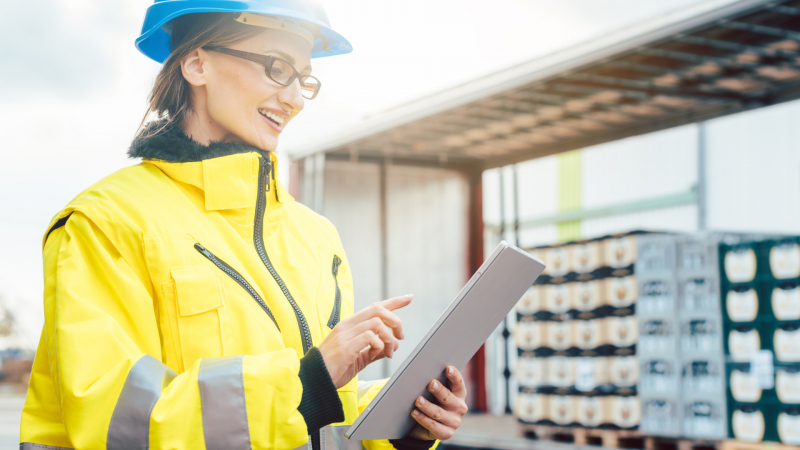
x: 171, y: 96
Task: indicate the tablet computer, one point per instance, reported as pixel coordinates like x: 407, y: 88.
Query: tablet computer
x: 460, y: 331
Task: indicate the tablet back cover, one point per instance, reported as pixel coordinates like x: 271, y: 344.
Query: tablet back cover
x: 466, y: 324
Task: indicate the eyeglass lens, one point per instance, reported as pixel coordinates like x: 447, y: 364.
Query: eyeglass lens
x: 282, y: 73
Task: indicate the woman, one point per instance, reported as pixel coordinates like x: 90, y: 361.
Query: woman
x: 189, y: 301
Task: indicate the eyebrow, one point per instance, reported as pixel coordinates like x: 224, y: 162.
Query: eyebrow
x: 287, y: 57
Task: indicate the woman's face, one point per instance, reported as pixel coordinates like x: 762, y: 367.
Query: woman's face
x: 235, y: 95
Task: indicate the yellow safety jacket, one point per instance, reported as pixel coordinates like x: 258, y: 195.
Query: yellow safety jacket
x: 179, y: 300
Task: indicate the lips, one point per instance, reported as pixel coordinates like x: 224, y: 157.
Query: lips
x: 272, y: 120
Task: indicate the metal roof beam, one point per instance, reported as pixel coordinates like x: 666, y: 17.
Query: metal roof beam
x: 650, y: 89
x: 781, y: 9
x: 682, y: 56
x: 761, y: 29
x: 644, y: 68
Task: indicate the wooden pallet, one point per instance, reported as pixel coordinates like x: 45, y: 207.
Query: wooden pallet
x: 628, y: 439
x: 739, y: 445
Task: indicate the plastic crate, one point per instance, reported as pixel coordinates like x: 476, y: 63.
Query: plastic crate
x: 657, y: 295
x: 697, y: 253
x: 701, y: 334
x: 661, y: 416
x: 658, y: 336
x: 655, y: 255
x: 703, y: 375
x: 699, y: 292
x: 704, y: 417
x: 660, y: 376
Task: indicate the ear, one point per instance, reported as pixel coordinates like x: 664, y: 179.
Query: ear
x: 193, y: 67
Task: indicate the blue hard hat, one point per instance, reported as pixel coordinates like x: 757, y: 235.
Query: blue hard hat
x: 155, y: 41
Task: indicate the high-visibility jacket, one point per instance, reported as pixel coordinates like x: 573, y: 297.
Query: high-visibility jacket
x: 179, y: 300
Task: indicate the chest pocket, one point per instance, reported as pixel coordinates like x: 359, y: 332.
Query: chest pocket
x: 199, y: 317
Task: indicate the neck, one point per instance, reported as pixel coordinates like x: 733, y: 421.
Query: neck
x: 199, y: 126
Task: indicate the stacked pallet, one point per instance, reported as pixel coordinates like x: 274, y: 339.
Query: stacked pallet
x: 762, y: 316
x: 576, y: 337
x: 680, y: 343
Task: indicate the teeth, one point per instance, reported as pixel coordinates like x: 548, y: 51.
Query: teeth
x: 278, y: 119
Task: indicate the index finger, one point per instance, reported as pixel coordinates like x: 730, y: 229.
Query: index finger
x: 397, y: 302
x: 379, y: 310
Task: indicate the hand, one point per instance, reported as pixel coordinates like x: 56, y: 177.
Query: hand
x: 358, y: 341
x: 441, y: 421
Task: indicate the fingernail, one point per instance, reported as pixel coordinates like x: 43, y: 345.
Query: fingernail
x: 414, y: 412
x: 408, y: 295
x: 435, y: 386
x: 450, y: 370
x: 421, y: 400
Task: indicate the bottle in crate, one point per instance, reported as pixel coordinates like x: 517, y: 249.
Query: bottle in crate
x: 787, y: 383
x: 784, y: 298
x: 788, y: 424
x: 749, y: 422
x: 739, y: 262
x: 783, y: 256
x: 786, y: 341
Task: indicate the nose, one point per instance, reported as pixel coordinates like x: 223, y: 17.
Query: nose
x: 292, y: 96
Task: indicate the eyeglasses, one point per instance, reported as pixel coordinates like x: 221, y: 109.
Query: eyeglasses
x: 278, y: 70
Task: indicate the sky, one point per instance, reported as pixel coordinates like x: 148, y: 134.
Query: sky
x: 73, y: 90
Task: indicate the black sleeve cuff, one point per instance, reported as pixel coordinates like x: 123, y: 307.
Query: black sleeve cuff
x: 320, y: 404
x: 408, y: 443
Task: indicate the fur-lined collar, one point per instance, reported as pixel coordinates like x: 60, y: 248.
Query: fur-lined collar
x: 170, y: 144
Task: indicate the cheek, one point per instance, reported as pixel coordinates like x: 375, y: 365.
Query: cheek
x: 235, y: 97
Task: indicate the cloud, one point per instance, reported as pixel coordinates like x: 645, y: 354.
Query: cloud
x: 49, y: 50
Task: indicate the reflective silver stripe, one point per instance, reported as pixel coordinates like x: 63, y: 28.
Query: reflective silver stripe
x: 130, y: 423
x: 32, y: 446
x: 221, y: 383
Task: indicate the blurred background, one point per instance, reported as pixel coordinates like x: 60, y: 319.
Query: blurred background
x: 559, y: 126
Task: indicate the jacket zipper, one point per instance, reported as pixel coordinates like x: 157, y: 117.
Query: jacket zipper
x: 237, y: 277
x: 258, y: 240
x: 337, y: 303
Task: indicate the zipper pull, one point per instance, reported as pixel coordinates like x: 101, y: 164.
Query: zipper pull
x: 203, y: 250
x: 336, y: 262
x: 266, y: 165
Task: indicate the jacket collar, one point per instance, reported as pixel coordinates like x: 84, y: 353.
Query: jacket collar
x: 226, y: 172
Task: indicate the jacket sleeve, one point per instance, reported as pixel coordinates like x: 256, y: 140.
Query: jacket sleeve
x: 367, y: 390
x: 113, y: 390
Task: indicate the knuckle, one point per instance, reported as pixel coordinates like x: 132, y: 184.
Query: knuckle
x: 457, y: 421
x: 446, y: 434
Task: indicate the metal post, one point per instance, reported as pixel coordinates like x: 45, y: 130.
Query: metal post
x: 506, y: 333
x: 702, y: 200
x: 385, y: 368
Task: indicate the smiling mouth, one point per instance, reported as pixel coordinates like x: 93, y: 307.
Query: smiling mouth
x: 272, y: 117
